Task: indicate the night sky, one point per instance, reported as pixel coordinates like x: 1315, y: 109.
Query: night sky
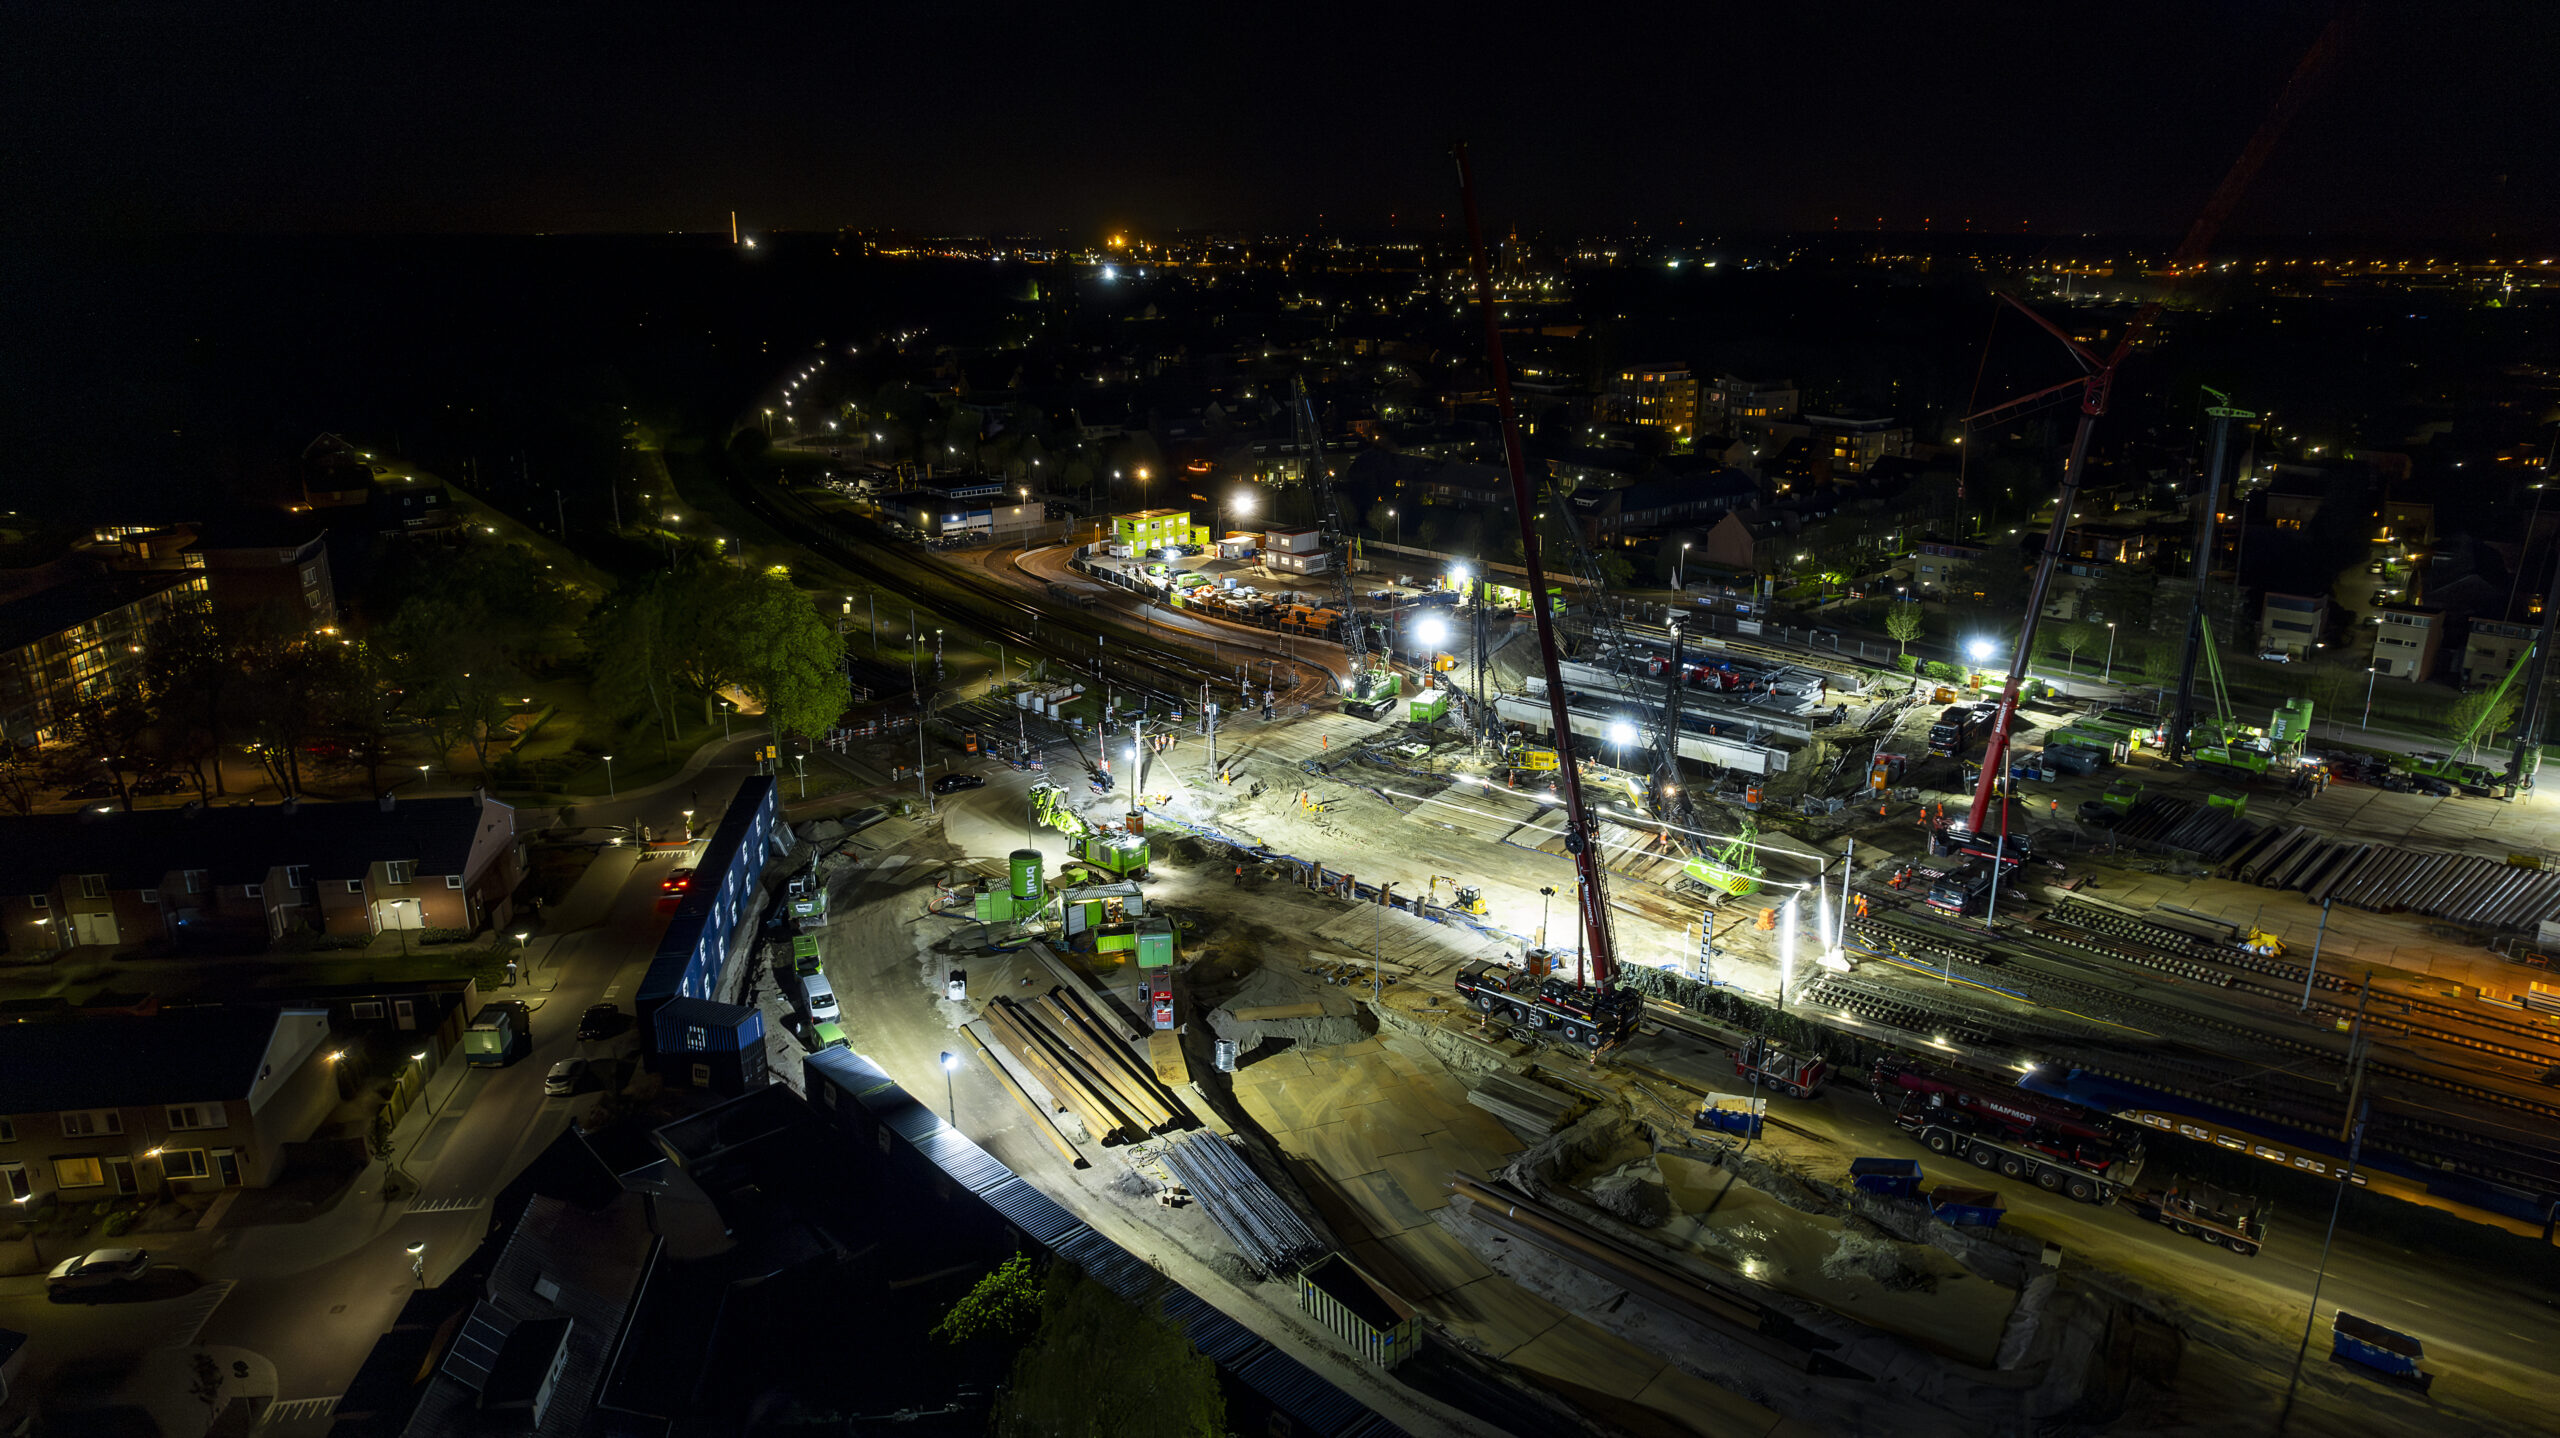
x: 424, y: 118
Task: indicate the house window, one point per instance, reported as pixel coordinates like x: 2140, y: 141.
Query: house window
x: 355, y: 886
x: 20, y: 1186
x: 151, y: 896
x: 185, y: 1163
x: 198, y: 1115
x: 79, y: 1172
x: 295, y: 875
x: 8, y: 1130
x: 93, y: 886
x: 195, y: 881
x: 80, y: 1123
x: 38, y: 901
x: 366, y: 1008
x: 399, y: 871
x: 255, y: 891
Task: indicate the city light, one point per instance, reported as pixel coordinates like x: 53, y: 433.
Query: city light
x: 1981, y: 650
x: 1622, y: 733
x: 1432, y: 632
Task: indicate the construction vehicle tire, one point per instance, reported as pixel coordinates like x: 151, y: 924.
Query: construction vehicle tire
x: 2184, y: 1227
x: 2049, y: 1179
x: 1484, y: 1003
x: 1578, y: 1033
x: 2244, y: 1249
x: 1938, y: 1143
x: 2082, y: 1190
x: 1985, y: 1157
x: 2012, y: 1166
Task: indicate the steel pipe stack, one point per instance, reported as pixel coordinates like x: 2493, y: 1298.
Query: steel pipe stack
x: 1265, y: 1228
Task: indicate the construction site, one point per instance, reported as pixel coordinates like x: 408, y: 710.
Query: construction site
x: 1712, y: 1033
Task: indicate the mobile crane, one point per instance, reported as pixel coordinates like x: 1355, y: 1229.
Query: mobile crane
x: 1590, y: 1008
x: 2453, y: 768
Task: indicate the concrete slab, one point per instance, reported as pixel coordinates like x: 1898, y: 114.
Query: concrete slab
x: 1436, y: 1262
x: 1422, y: 1176
x: 1496, y: 1314
x: 1382, y: 1202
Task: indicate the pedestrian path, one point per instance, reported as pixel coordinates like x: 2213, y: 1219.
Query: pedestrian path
x: 186, y: 1318
x: 298, y: 1410
x: 445, y: 1205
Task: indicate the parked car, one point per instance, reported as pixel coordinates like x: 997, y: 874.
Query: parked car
x: 952, y: 783
x: 94, y: 789
x: 599, y: 1021
x: 565, y: 1076
x: 2275, y: 656
x: 99, y: 1268
x: 864, y: 818
x: 677, y: 882
x: 159, y: 784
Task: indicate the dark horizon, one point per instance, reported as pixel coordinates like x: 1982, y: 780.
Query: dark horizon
x: 154, y: 118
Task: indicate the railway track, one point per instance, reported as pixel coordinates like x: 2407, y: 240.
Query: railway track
x: 2412, y: 1130
x: 1145, y: 666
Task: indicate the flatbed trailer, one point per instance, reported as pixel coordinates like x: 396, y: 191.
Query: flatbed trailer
x: 2011, y: 1160
x: 2200, y: 1210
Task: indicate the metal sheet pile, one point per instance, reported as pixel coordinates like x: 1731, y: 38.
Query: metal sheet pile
x: 2165, y: 823
x: 2462, y: 888
x: 1266, y: 1230
x: 1526, y: 1107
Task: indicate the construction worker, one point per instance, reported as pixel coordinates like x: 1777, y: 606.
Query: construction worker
x: 1862, y: 906
x: 1239, y: 876
x: 2056, y: 809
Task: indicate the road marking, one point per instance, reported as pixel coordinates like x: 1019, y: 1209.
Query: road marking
x: 444, y: 1205
x: 185, y: 1323
x: 296, y: 1410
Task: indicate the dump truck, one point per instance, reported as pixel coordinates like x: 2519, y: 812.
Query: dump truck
x: 2056, y: 1146
x: 1955, y: 732
x: 1595, y: 1018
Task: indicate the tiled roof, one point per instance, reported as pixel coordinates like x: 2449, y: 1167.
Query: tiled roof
x: 235, y: 844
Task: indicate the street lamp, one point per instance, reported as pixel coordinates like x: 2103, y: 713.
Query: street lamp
x: 2371, y: 672
x: 422, y: 776
x: 1622, y: 734
x: 609, y: 790
x: 418, y: 1263
x: 1399, y: 524
x: 2109, y: 676
x: 1546, y: 897
x: 950, y: 1061
x: 725, y: 707
x: 420, y: 1059
x: 1680, y: 566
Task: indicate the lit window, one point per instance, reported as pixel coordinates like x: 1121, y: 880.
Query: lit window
x: 80, y: 1172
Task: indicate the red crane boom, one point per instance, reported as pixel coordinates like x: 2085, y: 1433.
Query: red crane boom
x: 2096, y: 386
x: 1581, y: 836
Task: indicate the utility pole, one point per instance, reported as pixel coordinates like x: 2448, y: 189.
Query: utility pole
x: 924, y: 711
x: 2357, y: 1110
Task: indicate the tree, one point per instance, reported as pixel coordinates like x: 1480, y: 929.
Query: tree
x: 1100, y: 1367
x: 2478, y: 716
x: 1004, y: 1304
x: 107, y: 730
x: 790, y: 656
x: 1904, y: 621
x: 2075, y: 636
x: 197, y: 670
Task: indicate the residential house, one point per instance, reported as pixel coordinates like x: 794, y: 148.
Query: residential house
x: 1855, y: 444
x: 106, y: 1105
x: 2291, y: 624
x: 244, y: 875
x: 2492, y: 648
x: 1661, y: 397
x: 1937, y: 565
x: 2406, y: 642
